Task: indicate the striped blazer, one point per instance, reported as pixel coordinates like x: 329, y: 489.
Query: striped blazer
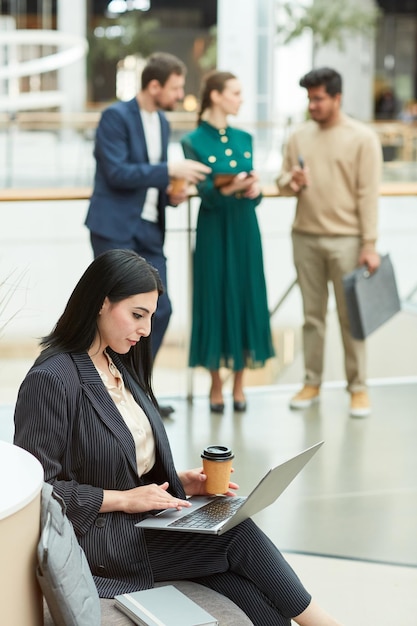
x: 66, y: 418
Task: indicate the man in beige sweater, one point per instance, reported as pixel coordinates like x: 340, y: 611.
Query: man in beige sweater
x: 332, y: 163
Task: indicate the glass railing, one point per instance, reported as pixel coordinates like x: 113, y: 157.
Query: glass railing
x: 43, y: 149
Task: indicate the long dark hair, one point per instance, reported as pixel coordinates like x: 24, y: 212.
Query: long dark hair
x: 214, y: 81
x: 117, y: 275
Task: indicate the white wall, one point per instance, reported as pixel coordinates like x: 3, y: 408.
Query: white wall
x: 236, y: 48
x: 72, y: 79
x: 47, y: 242
x: 245, y: 33
x: 248, y: 45
x: 356, y: 64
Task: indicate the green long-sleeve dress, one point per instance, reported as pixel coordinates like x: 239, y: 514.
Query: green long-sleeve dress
x: 230, y: 325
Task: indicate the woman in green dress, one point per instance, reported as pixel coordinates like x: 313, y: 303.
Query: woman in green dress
x: 230, y: 311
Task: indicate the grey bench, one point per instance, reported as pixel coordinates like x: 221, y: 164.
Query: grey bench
x: 223, y: 609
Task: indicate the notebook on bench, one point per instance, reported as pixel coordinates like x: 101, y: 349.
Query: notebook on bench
x: 215, y: 515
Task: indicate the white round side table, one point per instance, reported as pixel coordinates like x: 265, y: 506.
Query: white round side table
x: 21, y: 480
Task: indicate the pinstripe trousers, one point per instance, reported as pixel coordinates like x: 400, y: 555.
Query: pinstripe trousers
x: 243, y: 565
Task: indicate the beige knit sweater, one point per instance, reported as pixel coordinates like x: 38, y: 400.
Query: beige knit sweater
x: 344, y: 162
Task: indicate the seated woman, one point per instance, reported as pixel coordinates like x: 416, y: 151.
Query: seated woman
x: 86, y: 410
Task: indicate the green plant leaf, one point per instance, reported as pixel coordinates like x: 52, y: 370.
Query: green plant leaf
x: 329, y: 21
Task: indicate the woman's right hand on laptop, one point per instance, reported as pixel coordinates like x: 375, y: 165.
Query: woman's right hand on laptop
x: 141, y: 499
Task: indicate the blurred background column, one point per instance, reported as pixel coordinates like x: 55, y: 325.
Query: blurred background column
x: 354, y: 59
x: 245, y: 41
x: 355, y: 62
x: 72, y: 80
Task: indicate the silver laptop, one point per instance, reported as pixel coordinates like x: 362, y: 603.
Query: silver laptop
x: 215, y: 515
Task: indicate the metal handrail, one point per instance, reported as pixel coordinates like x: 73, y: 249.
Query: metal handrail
x: 408, y: 302
x: 282, y: 299
x: 12, y: 194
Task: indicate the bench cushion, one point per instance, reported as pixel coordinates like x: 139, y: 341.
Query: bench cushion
x: 223, y: 609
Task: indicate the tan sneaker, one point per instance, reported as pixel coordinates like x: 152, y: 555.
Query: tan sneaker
x: 305, y: 397
x: 359, y: 404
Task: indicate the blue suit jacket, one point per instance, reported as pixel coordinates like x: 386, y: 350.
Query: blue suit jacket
x: 124, y: 174
x: 66, y: 418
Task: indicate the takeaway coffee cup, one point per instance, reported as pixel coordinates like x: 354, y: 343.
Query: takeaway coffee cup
x: 217, y: 465
x: 178, y: 185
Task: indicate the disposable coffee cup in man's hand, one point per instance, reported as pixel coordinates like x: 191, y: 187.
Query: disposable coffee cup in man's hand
x: 217, y: 465
x: 178, y: 185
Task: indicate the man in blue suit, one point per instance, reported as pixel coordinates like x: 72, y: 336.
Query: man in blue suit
x: 133, y: 177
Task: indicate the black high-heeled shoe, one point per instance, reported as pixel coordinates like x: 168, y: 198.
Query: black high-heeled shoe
x: 216, y: 407
x: 239, y: 405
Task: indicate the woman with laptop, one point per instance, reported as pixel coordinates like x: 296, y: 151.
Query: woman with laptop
x: 87, y: 411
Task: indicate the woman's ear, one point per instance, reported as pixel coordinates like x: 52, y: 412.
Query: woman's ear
x: 105, y: 305
x: 215, y: 96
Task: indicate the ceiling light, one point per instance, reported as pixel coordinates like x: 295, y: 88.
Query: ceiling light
x: 116, y: 7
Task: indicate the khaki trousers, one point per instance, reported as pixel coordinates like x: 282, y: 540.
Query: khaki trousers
x: 318, y: 260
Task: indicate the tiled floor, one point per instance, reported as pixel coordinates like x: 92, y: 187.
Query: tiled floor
x: 360, y: 593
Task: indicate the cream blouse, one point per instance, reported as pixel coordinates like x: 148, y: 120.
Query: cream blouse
x: 134, y: 417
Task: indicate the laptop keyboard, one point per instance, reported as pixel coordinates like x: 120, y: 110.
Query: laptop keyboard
x: 211, y: 514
